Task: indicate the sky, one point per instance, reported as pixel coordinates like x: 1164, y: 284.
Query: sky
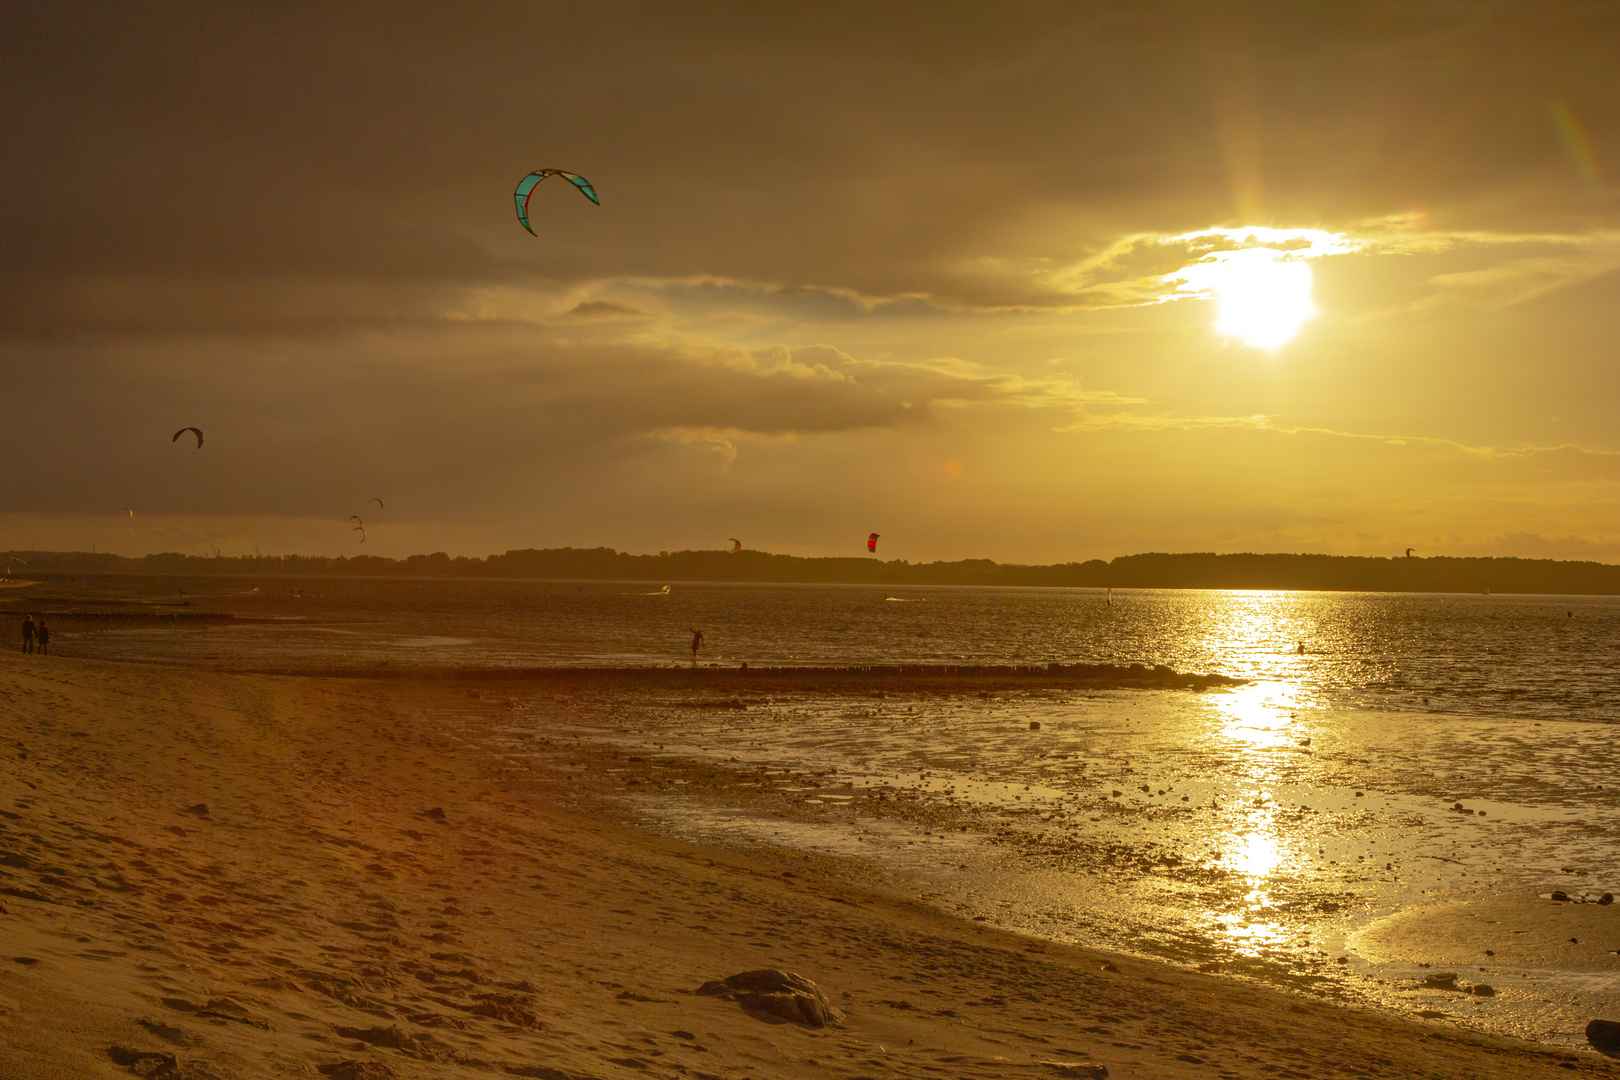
x: 1035, y: 282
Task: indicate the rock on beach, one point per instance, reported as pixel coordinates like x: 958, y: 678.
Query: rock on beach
x: 777, y: 993
x: 1604, y: 1035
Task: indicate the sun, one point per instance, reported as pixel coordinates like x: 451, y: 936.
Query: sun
x: 1259, y: 276
x: 1264, y: 294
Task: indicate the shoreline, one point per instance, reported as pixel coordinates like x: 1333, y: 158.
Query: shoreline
x: 850, y: 678
x: 362, y: 886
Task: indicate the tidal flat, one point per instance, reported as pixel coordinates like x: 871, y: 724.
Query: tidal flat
x: 1234, y: 830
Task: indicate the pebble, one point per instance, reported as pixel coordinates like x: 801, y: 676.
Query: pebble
x: 1078, y: 1068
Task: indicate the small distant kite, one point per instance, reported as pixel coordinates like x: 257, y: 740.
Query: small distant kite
x: 871, y: 543
x: 736, y: 545
x: 361, y: 529
x: 379, y: 503
x: 195, y: 431
x: 128, y: 511
x: 356, y: 517
x: 1409, y: 552
x: 526, y: 186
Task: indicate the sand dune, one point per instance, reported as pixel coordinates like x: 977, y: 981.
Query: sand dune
x: 217, y: 875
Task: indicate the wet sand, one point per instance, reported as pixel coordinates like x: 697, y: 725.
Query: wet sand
x: 270, y: 876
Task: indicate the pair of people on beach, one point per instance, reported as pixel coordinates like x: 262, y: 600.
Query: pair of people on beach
x: 35, y: 635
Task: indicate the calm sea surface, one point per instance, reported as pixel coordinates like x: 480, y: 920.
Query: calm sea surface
x: 1502, y: 656
x: 1422, y: 752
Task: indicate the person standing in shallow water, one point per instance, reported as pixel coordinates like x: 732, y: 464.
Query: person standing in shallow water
x: 28, y: 633
x: 697, y: 643
x: 42, y: 633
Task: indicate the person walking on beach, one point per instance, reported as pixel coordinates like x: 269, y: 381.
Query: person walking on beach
x: 697, y: 643
x: 43, y: 634
x: 28, y: 633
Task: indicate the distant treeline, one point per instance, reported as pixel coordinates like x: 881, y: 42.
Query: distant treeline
x: 1154, y: 570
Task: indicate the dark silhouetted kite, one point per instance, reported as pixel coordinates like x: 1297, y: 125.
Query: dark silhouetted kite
x: 195, y: 431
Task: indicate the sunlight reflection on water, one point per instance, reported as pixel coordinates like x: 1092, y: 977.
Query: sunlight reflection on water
x: 1251, y: 830
x: 1542, y: 657
x: 1257, y: 854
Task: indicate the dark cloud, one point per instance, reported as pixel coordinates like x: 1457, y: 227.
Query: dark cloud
x: 603, y: 311
x: 873, y: 148
x: 456, y: 423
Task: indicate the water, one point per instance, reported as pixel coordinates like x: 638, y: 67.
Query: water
x: 1502, y: 656
x: 1424, y: 755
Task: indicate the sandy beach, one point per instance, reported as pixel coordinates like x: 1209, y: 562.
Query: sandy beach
x: 208, y: 874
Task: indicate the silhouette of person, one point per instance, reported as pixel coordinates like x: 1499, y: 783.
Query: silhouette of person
x: 1302, y: 648
x: 697, y: 643
x: 42, y: 634
x: 28, y: 633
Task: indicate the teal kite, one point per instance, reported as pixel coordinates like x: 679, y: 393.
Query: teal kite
x: 526, y: 186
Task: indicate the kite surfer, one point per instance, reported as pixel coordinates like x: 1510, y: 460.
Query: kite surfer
x: 697, y: 643
x: 28, y: 633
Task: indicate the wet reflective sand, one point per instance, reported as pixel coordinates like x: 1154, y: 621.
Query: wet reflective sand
x: 1252, y: 831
